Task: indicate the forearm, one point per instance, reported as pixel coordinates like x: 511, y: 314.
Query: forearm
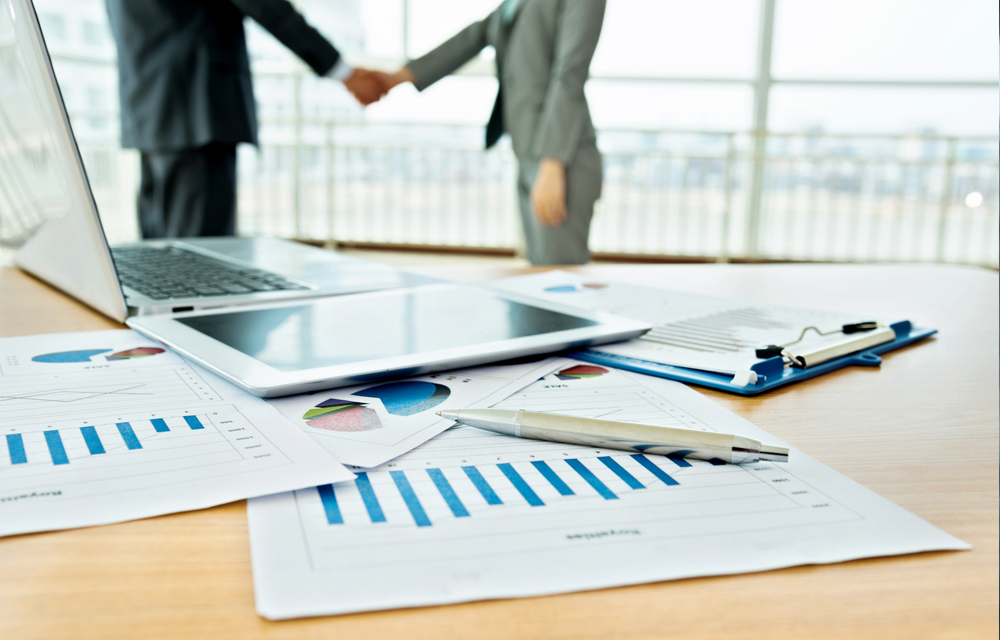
x: 286, y: 24
x: 447, y: 57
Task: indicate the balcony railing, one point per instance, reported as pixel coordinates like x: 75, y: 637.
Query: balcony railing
x: 685, y: 195
x: 667, y: 194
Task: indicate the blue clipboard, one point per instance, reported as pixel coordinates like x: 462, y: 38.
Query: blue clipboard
x: 771, y: 373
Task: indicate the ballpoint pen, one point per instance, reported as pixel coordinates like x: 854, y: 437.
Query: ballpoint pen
x: 627, y: 436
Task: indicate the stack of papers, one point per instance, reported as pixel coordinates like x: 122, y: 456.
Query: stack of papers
x: 103, y: 427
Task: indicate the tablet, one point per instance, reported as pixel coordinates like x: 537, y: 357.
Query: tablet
x: 303, y: 346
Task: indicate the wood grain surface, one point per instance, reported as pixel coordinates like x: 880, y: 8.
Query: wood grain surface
x: 922, y: 430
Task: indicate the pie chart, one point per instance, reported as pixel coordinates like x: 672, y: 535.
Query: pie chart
x: 130, y: 354
x: 581, y: 371
x: 407, y: 398
x: 62, y: 357
x: 571, y: 288
x: 342, y: 415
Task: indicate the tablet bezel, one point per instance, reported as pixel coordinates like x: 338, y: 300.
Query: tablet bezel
x: 265, y: 381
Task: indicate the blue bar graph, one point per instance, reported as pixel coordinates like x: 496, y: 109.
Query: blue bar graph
x: 410, y: 498
x: 160, y: 425
x: 330, y: 506
x: 15, y: 447
x: 364, y: 485
x: 680, y: 462
x: 56, y: 448
x: 448, y: 493
x: 482, y: 486
x: 93, y: 440
x: 128, y: 435
x: 592, y: 480
x: 655, y: 470
x: 553, y: 479
x: 194, y: 422
x: 620, y: 471
x: 521, y: 486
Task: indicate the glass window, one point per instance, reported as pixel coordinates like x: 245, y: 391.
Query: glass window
x: 434, y: 21
x: 655, y: 105
x: 93, y: 33
x: 884, y: 110
x: 887, y: 39
x: 708, y: 38
x: 383, y: 24
x: 53, y: 27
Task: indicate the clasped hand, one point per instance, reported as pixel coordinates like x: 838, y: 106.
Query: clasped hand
x: 369, y: 86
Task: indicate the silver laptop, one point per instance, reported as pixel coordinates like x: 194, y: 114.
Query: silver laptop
x: 42, y: 177
x: 273, y: 317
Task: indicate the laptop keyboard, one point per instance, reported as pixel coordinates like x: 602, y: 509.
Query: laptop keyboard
x: 169, y: 272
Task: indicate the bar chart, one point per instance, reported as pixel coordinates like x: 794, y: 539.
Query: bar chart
x: 92, y: 442
x: 97, y: 439
x: 523, y: 484
x: 132, y: 451
x: 715, y: 333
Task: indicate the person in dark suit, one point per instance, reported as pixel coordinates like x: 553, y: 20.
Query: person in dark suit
x: 187, y: 100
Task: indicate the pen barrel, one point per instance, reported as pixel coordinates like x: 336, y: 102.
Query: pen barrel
x: 640, y: 438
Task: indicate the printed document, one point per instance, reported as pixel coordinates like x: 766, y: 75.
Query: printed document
x: 690, y: 330
x: 474, y: 515
x: 106, y: 426
x: 369, y: 424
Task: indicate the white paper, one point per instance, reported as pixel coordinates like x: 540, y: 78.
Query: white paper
x: 107, y: 426
x: 370, y: 424
x: 716, y: 519
x: 693, y: 331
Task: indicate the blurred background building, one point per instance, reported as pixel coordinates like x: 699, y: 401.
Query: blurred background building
x: 858, y: 130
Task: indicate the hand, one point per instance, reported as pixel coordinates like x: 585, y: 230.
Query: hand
x: 548, y: 194
x: 366, y: 86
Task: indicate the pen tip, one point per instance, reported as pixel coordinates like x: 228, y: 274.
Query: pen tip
x: 438, y: 412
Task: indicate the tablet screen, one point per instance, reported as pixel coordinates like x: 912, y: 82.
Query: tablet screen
x: 362, y: 327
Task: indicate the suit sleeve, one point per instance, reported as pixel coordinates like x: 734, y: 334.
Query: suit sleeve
x: 286, y: 24
x: 564, y: 110
x: 449, y: 55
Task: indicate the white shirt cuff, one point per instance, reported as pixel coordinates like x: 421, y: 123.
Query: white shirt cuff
x: 340, y: 71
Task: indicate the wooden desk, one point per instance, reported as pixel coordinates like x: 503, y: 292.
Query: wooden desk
x: 922, y: 431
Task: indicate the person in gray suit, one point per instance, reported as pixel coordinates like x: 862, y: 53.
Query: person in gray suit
x: 543, y: 53
x: 187, y: 100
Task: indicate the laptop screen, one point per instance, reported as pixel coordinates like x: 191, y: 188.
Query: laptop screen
x: 45, y: 198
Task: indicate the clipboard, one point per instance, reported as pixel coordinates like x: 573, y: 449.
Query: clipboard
x: 770, y: 373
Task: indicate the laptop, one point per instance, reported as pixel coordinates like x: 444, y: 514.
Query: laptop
x: 272, y: 316
x: 42, y: 177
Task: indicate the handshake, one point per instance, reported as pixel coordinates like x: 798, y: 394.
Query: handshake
x: 369, y: 86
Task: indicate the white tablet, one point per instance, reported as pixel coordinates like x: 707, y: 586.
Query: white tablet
x: 354, y: 338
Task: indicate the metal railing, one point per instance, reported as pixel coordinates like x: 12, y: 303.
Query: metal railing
x: 681, y: 195
x: 704, y: 195
x: 667, y: 194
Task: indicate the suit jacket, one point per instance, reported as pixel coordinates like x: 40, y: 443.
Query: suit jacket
x: 543, y: 59
x: 183, y: 69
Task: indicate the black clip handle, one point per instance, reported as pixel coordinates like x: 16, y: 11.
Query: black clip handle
x: 858, y: 327
x: 769, y: 351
